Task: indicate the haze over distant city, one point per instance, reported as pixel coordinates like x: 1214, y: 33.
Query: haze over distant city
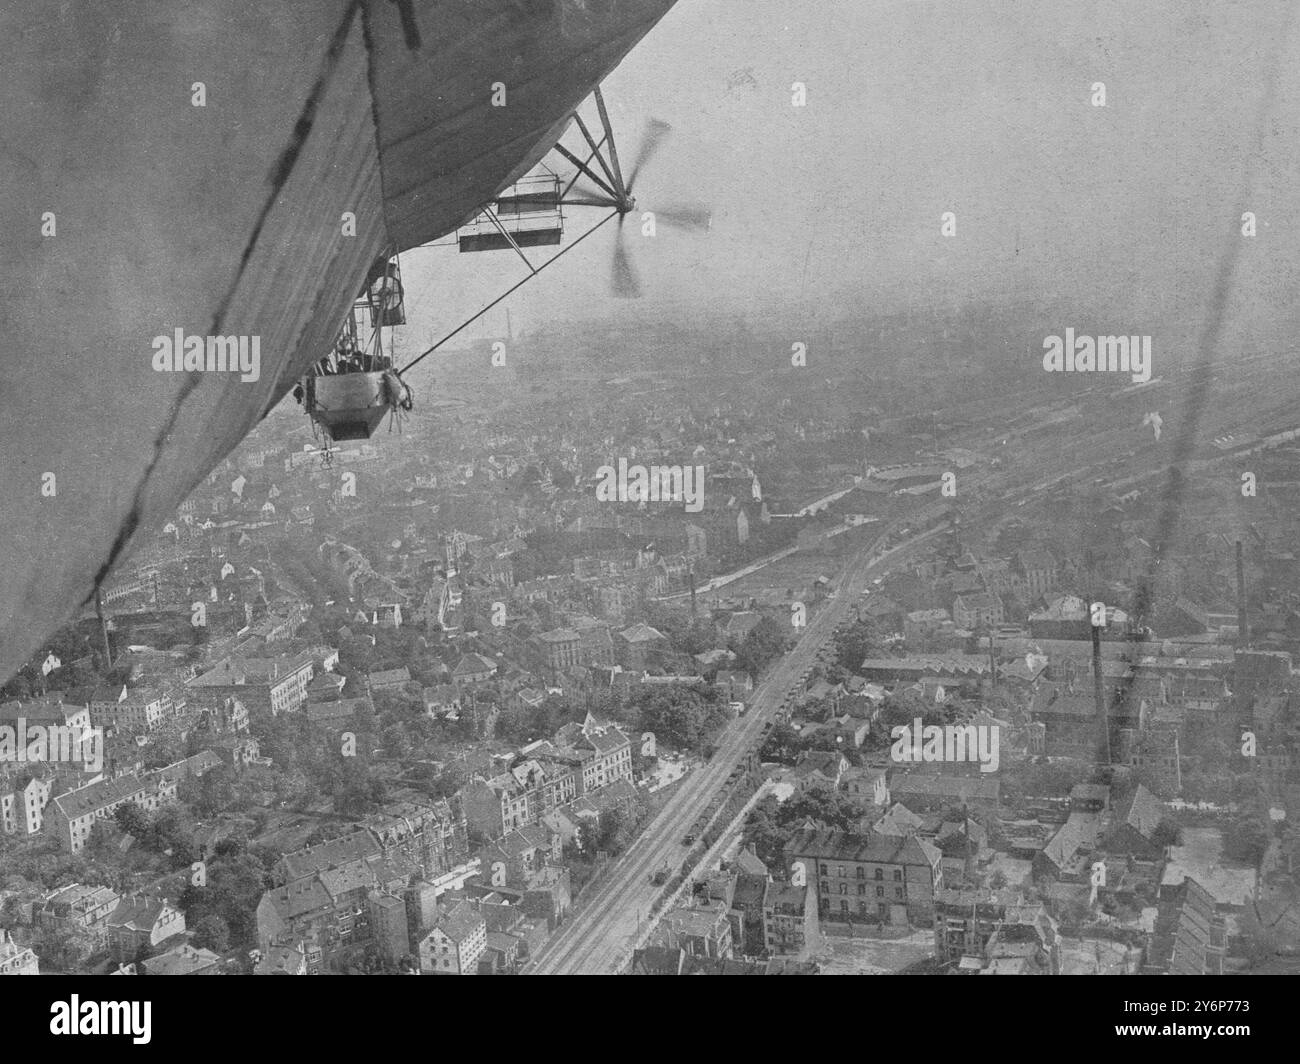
x: 914, y: 109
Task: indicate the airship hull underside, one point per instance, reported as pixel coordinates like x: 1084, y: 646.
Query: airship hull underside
x: 197, y: 167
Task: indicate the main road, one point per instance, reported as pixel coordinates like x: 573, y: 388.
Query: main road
x: 603, y: 931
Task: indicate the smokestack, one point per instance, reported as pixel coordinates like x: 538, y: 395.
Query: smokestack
x: 1243, y: 622
x: 691, y: 577
x: 1099, y: 696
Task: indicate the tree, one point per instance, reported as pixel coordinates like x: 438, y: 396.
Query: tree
x: 396, y: 743
x: 1262, y: 942
x: 615, y: 832
x: 453, y: 778
x: 1167, y: 833
x: 132, y: 820
x: 765, y: 641
x: 904, y: 708
x: 783, y: 744
x: 325, y: 833
x: 680, y: 717
x: 212, y: 933
x: 101, y: 845
x: 861, y: 640
x: 215, y: 791
x: 773, y: 824
x: 406, y: 703
x: 1244, y: 840
x: 233, y: 889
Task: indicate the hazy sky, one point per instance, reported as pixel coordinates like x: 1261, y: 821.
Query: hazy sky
x: 916, y: 107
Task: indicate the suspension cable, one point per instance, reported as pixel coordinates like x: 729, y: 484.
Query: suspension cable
x: 469, y: 321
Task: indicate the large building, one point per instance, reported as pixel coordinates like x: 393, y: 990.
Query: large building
x: 977, y: 610
x: 455, y: 943
x: 586, y: 641
x: 275, y: 684
x: 598, y: 752
x: 955, y: 667
x: 1036, y: 570
x: 130, y: 712
x: 71, y: 816
x: 1068, y: 713
x: 47, y: 713
x: 559, y: 648
x: 639, y: 645
x: 931, y: 792
x: 882, y: 878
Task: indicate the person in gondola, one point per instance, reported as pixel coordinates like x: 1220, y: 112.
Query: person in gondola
x: 347, y: 354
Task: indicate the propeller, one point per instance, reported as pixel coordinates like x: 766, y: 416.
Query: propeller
x: 655, y: 132
x: 624, y: 282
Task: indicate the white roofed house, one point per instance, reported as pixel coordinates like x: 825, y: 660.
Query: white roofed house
x: 15, y: 959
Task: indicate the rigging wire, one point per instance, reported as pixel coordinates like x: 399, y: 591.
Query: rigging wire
x: 1171, y: 505
x: 469, y: 321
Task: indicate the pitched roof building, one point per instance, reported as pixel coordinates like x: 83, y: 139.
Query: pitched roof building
x: 868, y: 877
x: 1190, y: 936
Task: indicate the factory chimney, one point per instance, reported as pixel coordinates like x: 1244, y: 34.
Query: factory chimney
x: 1243, y: 621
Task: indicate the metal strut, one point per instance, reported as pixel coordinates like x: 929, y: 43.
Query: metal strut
x: 611, y: 183
x: 613, y: 149
x: 470, y: 320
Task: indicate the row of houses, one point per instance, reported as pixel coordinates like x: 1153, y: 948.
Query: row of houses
x: 122, y: 924
x: 70, y: 815
x: 582, y: 758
